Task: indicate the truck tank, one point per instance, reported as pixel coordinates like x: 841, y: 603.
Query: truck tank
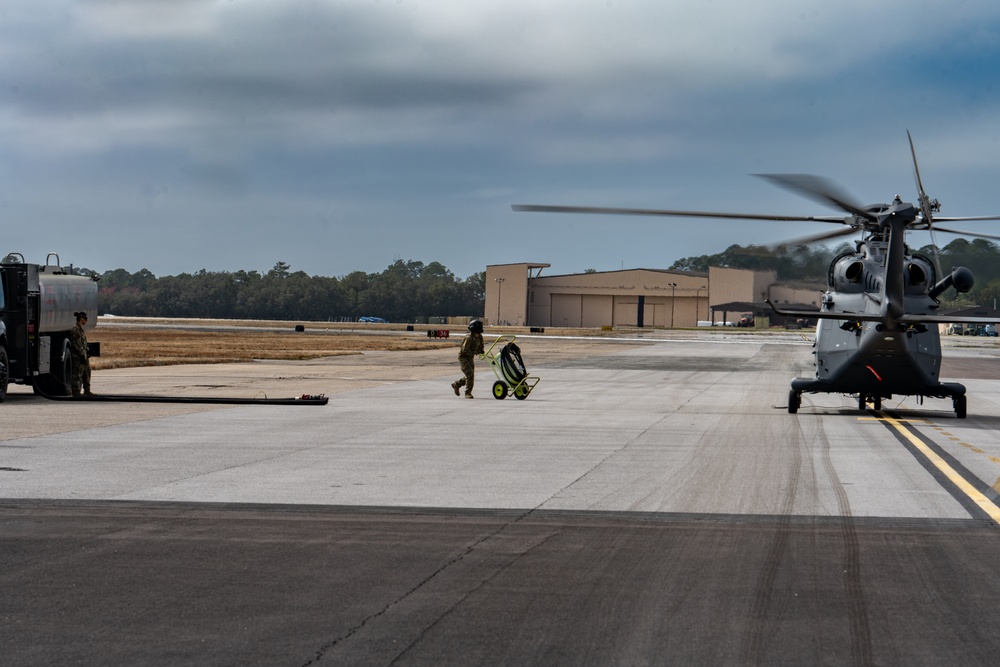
x: 61, y: 295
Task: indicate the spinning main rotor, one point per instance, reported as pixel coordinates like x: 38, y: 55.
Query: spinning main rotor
x: 871, y: 219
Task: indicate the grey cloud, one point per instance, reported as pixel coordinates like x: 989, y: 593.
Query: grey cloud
x: 375, y: 125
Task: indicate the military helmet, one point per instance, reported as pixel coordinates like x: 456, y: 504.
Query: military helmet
x: 476, y: 326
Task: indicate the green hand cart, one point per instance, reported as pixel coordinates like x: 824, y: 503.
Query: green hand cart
x: 504, y: 358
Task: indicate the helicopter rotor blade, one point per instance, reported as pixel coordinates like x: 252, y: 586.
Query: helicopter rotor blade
x: 925, y: 204
x: 819, y: 189
x: 916, y: 168
x: 815, y: 238
x: 540, y: 208
x: 967, y: 218
x: 973, y: 234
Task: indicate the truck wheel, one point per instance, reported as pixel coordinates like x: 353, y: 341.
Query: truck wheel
x: 4, y: 373
x: 57, y: 382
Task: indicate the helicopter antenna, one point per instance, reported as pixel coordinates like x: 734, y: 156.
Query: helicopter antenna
x: 927, y: 207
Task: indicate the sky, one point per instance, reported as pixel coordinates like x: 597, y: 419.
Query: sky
x: 343, y: 135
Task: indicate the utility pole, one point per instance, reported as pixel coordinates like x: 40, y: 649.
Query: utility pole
x: 673, y: 286
x: 499, y: 282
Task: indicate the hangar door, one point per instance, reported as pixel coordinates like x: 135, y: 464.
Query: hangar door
x: 581, y: 310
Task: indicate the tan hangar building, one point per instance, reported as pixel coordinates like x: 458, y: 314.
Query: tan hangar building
x: 519, y: 295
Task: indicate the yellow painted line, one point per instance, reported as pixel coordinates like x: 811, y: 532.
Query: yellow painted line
x: 996, y: 485
x: 978, y: 498
x: 901, y: 421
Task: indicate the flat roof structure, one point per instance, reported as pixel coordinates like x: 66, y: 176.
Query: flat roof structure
x: 519, y: 295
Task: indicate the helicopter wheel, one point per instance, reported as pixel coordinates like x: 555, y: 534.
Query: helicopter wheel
x: 877, y: 402
x: 794, y: 401
x: 862, y: 402
x: 960, y: 403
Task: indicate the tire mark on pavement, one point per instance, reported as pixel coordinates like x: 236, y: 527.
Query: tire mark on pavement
x: 857, y: 604
x: 751, y: 644
x: 755, y: 632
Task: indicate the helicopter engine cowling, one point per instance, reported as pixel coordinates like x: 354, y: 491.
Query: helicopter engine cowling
x: 856, y: 273
x: 960, y: 278
x: 847, y: 273
x: 919, y: 275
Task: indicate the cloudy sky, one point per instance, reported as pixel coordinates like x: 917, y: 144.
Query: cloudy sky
x: 341, y: 135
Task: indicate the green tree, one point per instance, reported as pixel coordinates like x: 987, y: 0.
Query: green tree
x: 403, y: 291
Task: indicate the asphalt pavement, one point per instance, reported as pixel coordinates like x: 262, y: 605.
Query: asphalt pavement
x: 648, y: 503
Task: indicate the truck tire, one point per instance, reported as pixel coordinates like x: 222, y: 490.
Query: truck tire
x: 4, y: 373
x: 56, y: 383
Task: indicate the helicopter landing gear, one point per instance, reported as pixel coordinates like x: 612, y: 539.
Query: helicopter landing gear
x: 794, y: 401
x: 960, y: 404
x: 863, y: 402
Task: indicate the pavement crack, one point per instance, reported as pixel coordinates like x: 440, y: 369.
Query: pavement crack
x: 353, y: 630
x: 474, y: 589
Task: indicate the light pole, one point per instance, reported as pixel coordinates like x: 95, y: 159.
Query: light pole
x: 673, y: 286
x: 499, y: 292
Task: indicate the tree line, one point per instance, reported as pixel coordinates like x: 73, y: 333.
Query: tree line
x: 409, y: 291
x: 981, y: 256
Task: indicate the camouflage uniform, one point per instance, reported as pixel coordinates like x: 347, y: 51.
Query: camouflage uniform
x: 81, y: 364
x: 472, y: 345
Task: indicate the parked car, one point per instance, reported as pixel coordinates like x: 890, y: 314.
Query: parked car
x: 372, y: 320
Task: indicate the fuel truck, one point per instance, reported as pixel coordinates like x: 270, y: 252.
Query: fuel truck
x: 37, y: 306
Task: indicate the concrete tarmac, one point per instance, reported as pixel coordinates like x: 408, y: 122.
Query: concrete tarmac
x: 650, y: 502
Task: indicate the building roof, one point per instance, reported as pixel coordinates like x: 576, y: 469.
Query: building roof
x: 693, y: 274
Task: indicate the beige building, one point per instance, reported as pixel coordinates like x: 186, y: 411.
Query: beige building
x: 518, y: 294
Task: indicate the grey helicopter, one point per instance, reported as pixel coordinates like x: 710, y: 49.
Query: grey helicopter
x: 877, y: 333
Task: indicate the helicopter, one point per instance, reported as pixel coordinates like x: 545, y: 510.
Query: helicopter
x: 873, y: 338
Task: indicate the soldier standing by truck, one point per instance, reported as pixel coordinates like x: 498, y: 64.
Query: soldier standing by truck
x: 37, y: 306
x: 81, y: 362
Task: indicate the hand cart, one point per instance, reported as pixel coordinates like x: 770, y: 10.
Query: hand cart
x: 504, y: 358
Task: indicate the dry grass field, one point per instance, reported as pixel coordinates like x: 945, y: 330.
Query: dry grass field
x: 134, y: 342
x: 123, y: 347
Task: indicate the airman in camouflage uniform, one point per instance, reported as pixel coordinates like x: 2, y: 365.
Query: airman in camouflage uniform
x: 472, y: 345
x: 78, y: 353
